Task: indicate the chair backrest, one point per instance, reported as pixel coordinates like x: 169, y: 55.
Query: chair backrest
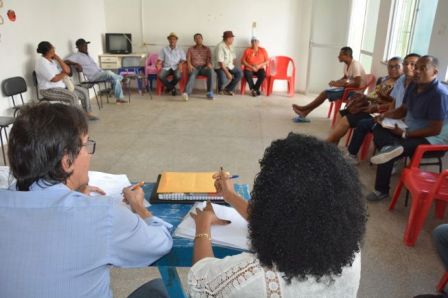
x: 150, y: 64
x: 36, y: 85
x: 279, y: 65
x: 14, y: 86
x: 370, y: 80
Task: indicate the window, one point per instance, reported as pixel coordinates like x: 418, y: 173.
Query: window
x: 410, y: 27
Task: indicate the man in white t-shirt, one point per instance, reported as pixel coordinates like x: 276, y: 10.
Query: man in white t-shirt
x: 354, y: 76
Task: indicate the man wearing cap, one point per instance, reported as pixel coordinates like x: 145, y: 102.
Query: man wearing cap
x: 83, y: 62
x: 225, y: 69
x: 255, y: 59
x: 170, y: 62
x: 199, y: 61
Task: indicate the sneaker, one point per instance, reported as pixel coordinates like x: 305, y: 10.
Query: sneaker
x: 351, y: 159
x: 92, y: 118
x: 253, y: 93
x: 185, y: 96
x: 119, y: 101
x: 386, y: 154
x: 210, y: 95
x: 258, y: 93
x: 376, y: 196
x: 173, y: 92
x: 230, y: 93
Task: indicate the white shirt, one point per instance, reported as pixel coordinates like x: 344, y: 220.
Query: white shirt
x: 355, y: 70
x: 171, y: 57
x: 224, y: 54
x: 89, y: 66
x: 243, y: 276
x: 45, y: 71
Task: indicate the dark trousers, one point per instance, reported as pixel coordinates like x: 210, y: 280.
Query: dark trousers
x: 383, y: 137
x: 154, y: 289
x: 260, y: 74
x: 440, y: 235
x: 163, y: 76
x: 364, y: 127
x: 222, y: 80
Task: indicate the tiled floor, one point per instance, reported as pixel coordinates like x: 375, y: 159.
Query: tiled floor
x: 147, y: 136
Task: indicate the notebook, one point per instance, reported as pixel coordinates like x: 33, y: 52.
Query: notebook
x: 233, y: 235
x: 390, y: 123
x: 185, y: 188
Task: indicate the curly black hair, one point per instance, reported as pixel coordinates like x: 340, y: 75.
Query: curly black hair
x: 307, y: 215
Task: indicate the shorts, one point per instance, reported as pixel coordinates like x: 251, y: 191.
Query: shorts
x: 334, y: 94
x: 353, y: 119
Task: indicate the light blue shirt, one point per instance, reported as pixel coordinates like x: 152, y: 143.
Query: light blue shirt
x: 55, y: 242
x: 398, y: 91
x: 89, y: 66
x: 171, y: 57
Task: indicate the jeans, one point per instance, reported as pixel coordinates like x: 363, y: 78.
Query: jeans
x: 202, y: 71
x: 154, y: 289
x: 440, y: 235
x: 364, y: 127
x: 222, y: 80
x: 163, y: 76
x: 115, y: 80
x: 383, y: 137
x: 260, y: 74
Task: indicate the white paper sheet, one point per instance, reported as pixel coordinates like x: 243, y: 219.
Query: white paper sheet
x: 112, y: 184
x: 390, y: 123
x: 234, y: 234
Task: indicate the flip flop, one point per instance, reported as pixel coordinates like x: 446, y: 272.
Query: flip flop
x: 300, y: 119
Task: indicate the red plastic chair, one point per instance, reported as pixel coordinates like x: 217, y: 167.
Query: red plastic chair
x: 182, y: 82
x: 425, y: 187
x: 278, y: 67
x: 264, y: 86
x: 442, y: 283
x: 337, y: 104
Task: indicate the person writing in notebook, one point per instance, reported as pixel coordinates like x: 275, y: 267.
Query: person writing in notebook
x: 295, y: 215
x: 57, y: 240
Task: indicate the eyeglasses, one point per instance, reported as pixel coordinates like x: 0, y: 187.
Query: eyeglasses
x: 90, y: 146
x: 394, y: 66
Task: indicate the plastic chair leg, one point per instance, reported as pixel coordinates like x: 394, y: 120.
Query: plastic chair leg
x: 337, y: 107
x: 440, y: 209
x: 330, y: 109
x: 243, y: 85
x: 397, y: 192
x: 442, y: 283
x: 419, y: 211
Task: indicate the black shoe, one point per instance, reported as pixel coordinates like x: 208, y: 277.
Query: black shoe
x: 253, y: 93
x: 258, y: 93
x: 173, y: 92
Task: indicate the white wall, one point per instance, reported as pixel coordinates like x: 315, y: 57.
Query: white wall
x: 60, y: 22
x: 438, y: 46
x: 282, y: 25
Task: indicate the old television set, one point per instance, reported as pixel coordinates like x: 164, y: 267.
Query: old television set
x: 118, y: 43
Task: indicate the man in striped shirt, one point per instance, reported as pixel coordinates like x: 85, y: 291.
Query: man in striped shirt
x: 199, y: 61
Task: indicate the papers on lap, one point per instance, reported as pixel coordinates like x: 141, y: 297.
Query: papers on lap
x: 390, y: 123
x: 233, y: 235
x: 112, y: 184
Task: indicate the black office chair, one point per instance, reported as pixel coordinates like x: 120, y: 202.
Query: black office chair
x: 103, y: 88
x: 13, y: 87
x: 5, y: 121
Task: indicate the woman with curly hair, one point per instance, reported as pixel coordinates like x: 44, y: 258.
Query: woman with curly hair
x: 306, y: 221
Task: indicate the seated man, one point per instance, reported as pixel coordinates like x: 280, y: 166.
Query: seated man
x: 353, y: 77
x: 228, y: 74
x: 170, y: 62
x: 360, y: 106
x: 425, y: 106
x: 56, y: 239
x: 199, y: 61
x: 84, y: 63
x: 255, y: 59
x: 366, y: 126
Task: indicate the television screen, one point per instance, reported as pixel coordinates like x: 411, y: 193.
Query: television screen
x: 118, y: 43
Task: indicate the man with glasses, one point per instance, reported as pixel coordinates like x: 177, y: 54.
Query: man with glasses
x: 57, y: 240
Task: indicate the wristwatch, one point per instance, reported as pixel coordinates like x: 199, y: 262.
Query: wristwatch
x: 403, y: 135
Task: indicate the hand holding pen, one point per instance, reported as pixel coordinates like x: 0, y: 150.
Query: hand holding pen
x: 224, y: 184
x: 135, y: 196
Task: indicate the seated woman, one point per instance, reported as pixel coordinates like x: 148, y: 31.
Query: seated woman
x: 306, y: 221
x: 361, y: 106
x: 255, y: 59
x: 52, y: 73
